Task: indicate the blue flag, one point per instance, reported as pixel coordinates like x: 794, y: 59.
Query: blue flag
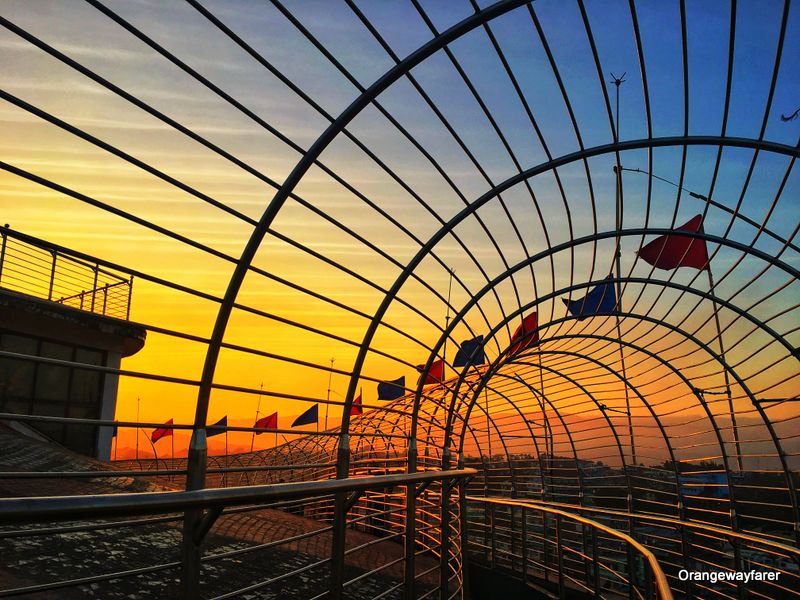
x: 602, y: 300
x: 389, y: 390
x: 308, y: 417
x: 470, y: 353
x: 218, y: 427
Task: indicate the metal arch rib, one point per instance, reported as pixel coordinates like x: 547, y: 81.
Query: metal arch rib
x: 299, y: 171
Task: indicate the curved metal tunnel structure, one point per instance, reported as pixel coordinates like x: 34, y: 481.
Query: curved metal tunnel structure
x: 409, y: 188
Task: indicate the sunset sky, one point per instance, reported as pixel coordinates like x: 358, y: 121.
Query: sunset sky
x: 83, y: 33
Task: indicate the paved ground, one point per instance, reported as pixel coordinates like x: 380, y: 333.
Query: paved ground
x: 293, y: 567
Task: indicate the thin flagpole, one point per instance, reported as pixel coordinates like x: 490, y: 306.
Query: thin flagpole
x: 447, y: 322
x: 225, y: 474
x: 617, y: 81
x: 724, y: 369
x: 137, y: 428
x: 258, y: 411
x: 172, y: 460
x: 328, y: 398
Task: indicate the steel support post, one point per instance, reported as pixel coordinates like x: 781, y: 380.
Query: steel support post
x: 191, y: 548
x: 463, y: 537
x: 524, y: 534
x: 3, y: 252
x: 444, y: 550
x: 562, y: 590
x: 411, y: 522
x: 340, y: 520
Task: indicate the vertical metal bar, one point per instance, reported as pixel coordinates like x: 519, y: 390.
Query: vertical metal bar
x: 105, y: 297
x: 444, y: 551
x: 562, y: 590
x: 94, y: 285
x: 596, y: 560
x: 464, y: 517
x: 493, y: 533
x: 524, y: 533
x: 3, y: 251
x: 52, y: 274
x: 545, y: 550
x: 83, y: 292
x: 585, y: 548
x: 411, y: 517
x: 191, y: 552
x: 130, y: 292
x: 340, y: 520
x: 739, y: 566
x: 631, y: 573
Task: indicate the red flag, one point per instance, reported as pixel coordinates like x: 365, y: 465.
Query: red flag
x: 526, y: 334
x: 356, y: 408
x: 269, y: 422
x: 673, y: 250
x: 161, y: 432
x: 436, y: 373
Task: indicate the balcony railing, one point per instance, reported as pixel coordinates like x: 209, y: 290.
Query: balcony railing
x: 38, y: 268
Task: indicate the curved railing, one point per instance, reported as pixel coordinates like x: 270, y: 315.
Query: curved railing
x: 558, y: 552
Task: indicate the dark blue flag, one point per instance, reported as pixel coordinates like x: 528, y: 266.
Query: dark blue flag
x: 389, y: 390
x: 218, y: 427
x: 602, y: 300
x: 308, y: 417
x: 470, y: 353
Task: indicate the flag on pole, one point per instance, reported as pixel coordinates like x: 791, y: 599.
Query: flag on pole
x: 435, y: 374
x: 389, y: 390
x: 602, y: 300
x: 218, y: 428
x: 161, y: 432
x: 268, y: 422
x: 673, y: 250
x: 356, y: 408
x: 526, y: 334
x: 308, y: 417
x: 470, y: 353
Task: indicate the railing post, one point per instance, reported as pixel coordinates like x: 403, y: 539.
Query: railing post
x: 444, y: 526
x: 130, y: 293
x: 545, y: 550
x: 411, y: 517
x: 649, y: 582
x: 631, y: 572
x: 464, y: 518
x: 3, y: 250
x: 52, y: 274
x: 340, y: 520
x: 105, y: 297
x: 596, y: 559
x: 524, y: 533
x: 94, y: 286
x: 562, y: 591
x: 190, y: 548
x: 493, y: 534
x: 738, y: 566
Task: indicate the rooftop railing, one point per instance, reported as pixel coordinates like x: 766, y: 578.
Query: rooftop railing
x: 376, y: 565
x: 39, y: 268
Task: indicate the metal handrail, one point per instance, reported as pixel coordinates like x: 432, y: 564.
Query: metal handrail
x: 705, y: 527
x: 659, y: 578
x: 66, y: 508
x: 42, y: 269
